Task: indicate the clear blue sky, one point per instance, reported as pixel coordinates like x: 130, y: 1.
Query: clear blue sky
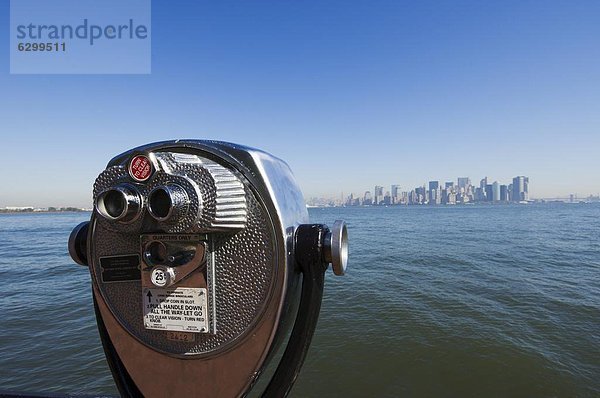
x: 350, y: 93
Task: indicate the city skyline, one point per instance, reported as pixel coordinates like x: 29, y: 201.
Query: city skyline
x: 460, y: 190
x: 436, y: 193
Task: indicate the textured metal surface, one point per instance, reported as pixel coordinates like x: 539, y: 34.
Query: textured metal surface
x: 222, y: 191
x: 244, y: 260
x: 217, y: 198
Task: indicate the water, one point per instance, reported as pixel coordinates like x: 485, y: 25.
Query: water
x: 446, y: 301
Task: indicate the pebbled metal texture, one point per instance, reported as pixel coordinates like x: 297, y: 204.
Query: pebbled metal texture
x: 222, y: 192
x: 244, y: 258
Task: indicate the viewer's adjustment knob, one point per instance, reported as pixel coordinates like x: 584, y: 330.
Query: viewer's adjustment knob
x: 78, y: 243
x: 336, y: 247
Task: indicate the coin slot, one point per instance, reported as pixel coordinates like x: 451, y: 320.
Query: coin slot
x: 155, y: 253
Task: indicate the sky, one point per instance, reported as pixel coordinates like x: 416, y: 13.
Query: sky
x: 351, y: 94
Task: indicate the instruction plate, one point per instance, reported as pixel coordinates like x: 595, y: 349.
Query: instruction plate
x: 182, y: 309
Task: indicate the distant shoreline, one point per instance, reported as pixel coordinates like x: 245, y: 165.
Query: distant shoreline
x: 4, y: 211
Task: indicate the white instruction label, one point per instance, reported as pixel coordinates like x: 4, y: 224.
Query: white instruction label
x: 183, y: 309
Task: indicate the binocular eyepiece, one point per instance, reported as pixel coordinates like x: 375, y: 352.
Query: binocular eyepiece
x: 120, y: 203
x: 167, y: 201
x: 202, y: 260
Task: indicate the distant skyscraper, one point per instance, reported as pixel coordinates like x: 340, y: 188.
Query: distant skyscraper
x: 396, y: 193
x: 496, y: 192
x: 479, y: 194
x: 520, y: 189
x: 463, y: 183
x: 403, y: 198
x: 450, y: 197
x: 412, y: 197
x: 483, y: 183
x: 489, y: 194
x: 378, y: 195
x: 368, y: 199
x: 434, y: 193
x: 349, y: 200
x: 503, y: 193
x: 449, y: 184
x: 352, y: 201
x: 387, y: 198
x: 421, y: 193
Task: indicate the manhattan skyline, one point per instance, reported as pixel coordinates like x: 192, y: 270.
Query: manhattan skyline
x: 461, y: 190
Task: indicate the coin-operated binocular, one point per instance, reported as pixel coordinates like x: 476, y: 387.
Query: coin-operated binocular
x: 203, y: 263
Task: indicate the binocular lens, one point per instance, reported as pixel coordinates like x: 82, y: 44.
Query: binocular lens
x: 114, y: 203
x: 169, y: 202
x: 121, y: 203
x: 159, y: 203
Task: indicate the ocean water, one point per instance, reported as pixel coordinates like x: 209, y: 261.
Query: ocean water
x: 463, y: 301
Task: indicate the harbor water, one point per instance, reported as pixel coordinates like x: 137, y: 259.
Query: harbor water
x: 446, y: 301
